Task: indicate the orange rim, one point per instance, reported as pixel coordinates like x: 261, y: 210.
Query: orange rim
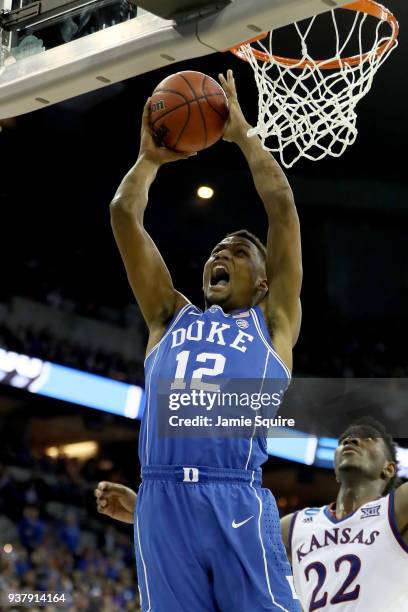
x: 361, y: 6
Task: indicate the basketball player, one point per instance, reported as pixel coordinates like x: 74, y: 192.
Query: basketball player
x: 207, y: 535
x: 353, y: 554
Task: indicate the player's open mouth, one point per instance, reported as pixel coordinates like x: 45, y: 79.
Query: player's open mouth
x: 349, y: 449
x: 220, y: 276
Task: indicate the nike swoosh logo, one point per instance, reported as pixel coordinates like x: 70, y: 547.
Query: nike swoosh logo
x: 236, y: 525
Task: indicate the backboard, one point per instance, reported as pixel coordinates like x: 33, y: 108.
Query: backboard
x: 43, y: 76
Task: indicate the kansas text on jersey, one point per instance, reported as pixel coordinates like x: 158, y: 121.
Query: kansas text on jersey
x: 355, y: 564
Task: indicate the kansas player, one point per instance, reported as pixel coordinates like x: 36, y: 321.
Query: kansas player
x: 206, y: 534
x: 352, y: 556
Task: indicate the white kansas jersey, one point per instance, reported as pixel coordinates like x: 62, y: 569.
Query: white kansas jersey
x: 355, y: 564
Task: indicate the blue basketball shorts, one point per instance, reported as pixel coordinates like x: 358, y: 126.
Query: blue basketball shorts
x: 208, y: 540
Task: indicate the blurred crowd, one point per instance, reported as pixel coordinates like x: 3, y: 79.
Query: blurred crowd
x: 46, y: 346
x: 125, y: 316
x: 352, y: 351
x: 351, y: 354
x: 37, y: 280
x: 345, y: 349
x: 53, y: 540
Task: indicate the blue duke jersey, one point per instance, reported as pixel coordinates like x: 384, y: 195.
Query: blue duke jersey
x: 207, y: 535
x: 198, y: 349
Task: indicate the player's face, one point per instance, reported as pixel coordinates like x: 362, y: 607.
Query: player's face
x: 234, y: 275
x: 359, y: 452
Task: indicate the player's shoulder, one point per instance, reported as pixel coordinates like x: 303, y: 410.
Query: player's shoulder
x: 180, y: 317
x: 401, y: 493
x: 309, y: 514
x: 182, y: 313
x: 190, y: 309
x: 300, y: 517
x: 398, y: 506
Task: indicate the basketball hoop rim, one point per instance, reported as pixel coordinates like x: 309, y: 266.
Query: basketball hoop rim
x: 369, y: 7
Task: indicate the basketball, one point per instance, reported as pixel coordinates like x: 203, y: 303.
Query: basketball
x: 188, y: 111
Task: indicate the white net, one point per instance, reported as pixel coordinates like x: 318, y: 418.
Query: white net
x: 308, y: 109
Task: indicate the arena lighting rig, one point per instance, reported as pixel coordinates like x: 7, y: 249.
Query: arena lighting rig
x: 124, y: 42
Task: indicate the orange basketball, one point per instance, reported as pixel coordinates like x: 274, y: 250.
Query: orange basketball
x: 188, y: 111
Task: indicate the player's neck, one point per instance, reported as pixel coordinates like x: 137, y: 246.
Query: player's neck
x: 353, y: 495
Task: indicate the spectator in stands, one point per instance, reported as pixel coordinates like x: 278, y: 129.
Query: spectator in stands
x: 31, y: 528
x: 70, y: 534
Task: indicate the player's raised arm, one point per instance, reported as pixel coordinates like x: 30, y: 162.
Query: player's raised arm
x: 401, y: 510
x: 284, y: 259
x: 147, y: 273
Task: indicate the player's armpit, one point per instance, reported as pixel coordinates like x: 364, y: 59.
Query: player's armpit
x: 284, y: 269
x: 285, y: 524
x: 401, y: 509
x: 281, y: 329
x: 156, y: 332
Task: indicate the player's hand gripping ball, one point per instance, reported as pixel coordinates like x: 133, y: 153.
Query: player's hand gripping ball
x: 188, y: 112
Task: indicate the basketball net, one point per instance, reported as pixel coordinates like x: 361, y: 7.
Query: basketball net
x: 307, y: 106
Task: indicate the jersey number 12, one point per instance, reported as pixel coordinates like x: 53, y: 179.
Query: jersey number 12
x: 182, y: 359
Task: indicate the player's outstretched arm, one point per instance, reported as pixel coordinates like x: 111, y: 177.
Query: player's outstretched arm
x: 147, y: 273
x: 115, y: 500
x: 401, y: 510
x: 284, y: 258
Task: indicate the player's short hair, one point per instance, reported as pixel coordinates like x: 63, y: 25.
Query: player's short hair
x: 252, y: 238
x: 369, y: 427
